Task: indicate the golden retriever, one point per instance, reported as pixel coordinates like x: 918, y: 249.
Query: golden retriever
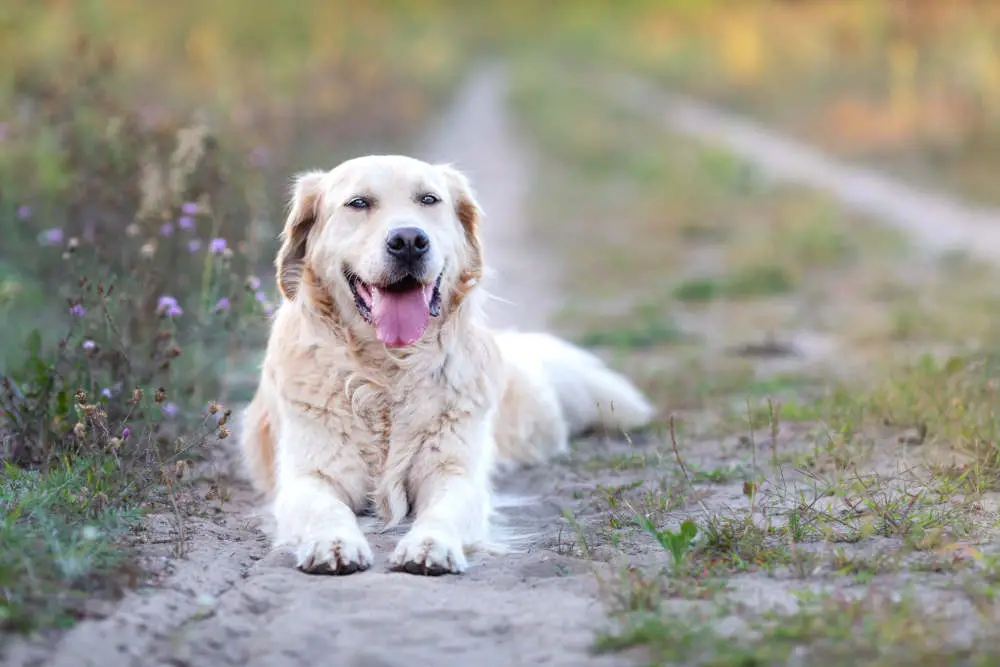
x: 382, y: 387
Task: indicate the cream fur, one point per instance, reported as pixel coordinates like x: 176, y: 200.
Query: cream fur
x: 340, y: 423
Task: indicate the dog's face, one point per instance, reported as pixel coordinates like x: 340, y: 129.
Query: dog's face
x: 388, y: 241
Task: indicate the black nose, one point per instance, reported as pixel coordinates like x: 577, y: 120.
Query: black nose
x: 407, y: 244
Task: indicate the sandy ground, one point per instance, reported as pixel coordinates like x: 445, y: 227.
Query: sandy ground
x: 231, y: 602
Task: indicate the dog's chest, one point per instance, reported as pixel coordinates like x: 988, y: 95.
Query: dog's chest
x: 377, y: 409
x: 376, y: 417
x: 387, y: 423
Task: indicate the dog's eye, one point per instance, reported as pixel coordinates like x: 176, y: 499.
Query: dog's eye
x: 429, y: 199
x: 359, y: 203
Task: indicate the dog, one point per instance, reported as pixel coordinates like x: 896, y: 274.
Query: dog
x: 384, y: 390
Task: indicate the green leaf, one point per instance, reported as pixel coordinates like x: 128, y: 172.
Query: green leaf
x: 954, y: 365
x: 34, y: 344
x: 689, y: 530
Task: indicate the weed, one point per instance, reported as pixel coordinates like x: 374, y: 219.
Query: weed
x: 740, y: 543
x: 873, y: 631
x: 719, y: 475
x: 952, y: 403
x: 61, y: 527
x: 753, y: 282
x: 638, y: 334
x: 862, y: 568
x: 679, y: 543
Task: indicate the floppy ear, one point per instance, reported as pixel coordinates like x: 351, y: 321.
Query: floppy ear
x: 301, y: 219
x: 470, y: 215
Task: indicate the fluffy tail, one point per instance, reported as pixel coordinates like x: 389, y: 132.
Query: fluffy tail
x: 590, y: 395
x: 257, y: 444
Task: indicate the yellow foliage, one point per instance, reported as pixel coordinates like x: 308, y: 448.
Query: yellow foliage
x: 202, y: 48
x: 902, y: 56
x: 741, y: 48
x: 985, y: 65
x: 870, y: 69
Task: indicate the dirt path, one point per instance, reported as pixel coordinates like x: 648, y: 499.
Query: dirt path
x: 476, y: 135
x: 937, y: 221
x: 231, y: 602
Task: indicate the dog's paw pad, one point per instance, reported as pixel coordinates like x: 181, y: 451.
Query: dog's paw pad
x: 338, y: 556
x: 425, y: 569
x: 429, y: 555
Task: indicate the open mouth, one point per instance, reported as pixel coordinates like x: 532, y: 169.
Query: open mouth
x: 399, y: 311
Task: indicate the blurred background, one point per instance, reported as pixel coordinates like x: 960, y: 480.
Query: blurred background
x: 151, y: 147
x: 146, y: 150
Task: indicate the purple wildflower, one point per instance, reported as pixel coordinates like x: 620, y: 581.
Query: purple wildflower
x: 167, y: 305
x: 170, y: 410
x: 126, y: 432
x: 253, y: 282
x: 89, y: 344
x: 53, y: 236
x: 167, y: 229
x: 189, y: 208
x: 23, y: 211
x: 260, y: 296
x: 222, y: 305
x: 268, y: 309
x: 165, y: 302
x: 106, y: 393
x: 185, y: 222
x: 217, y: 246
x: 77, y: 311
x: 194, y: 245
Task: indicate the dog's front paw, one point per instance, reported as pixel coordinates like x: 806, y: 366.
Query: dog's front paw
x: 345, y: 554
x: 429, y: 552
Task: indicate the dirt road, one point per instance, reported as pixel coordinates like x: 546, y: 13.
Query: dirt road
x: 936, y: 220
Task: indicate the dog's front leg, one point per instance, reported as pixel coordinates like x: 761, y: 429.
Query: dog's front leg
x: 320, y: 485
x: 450, y: 486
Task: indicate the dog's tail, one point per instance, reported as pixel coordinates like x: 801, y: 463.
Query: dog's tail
x: 257, y: 445
x: 591, y: 395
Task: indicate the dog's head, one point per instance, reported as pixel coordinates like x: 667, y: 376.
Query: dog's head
x: 384, y: 243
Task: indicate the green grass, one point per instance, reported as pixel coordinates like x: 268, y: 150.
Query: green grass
x: 953, y: 402
x: 646, y: 327
x: 749, y: 283
x: 923, y: 511
x: 719, y: 474
x: 62, y: 532
x: 826, y: 630
x: 868, y: 625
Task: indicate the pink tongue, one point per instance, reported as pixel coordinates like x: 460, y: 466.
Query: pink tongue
x: 400, y: 318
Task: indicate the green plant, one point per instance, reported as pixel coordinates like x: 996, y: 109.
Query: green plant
x: 679, y: 543
x: 141, y: 291
x: 750, y: 283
